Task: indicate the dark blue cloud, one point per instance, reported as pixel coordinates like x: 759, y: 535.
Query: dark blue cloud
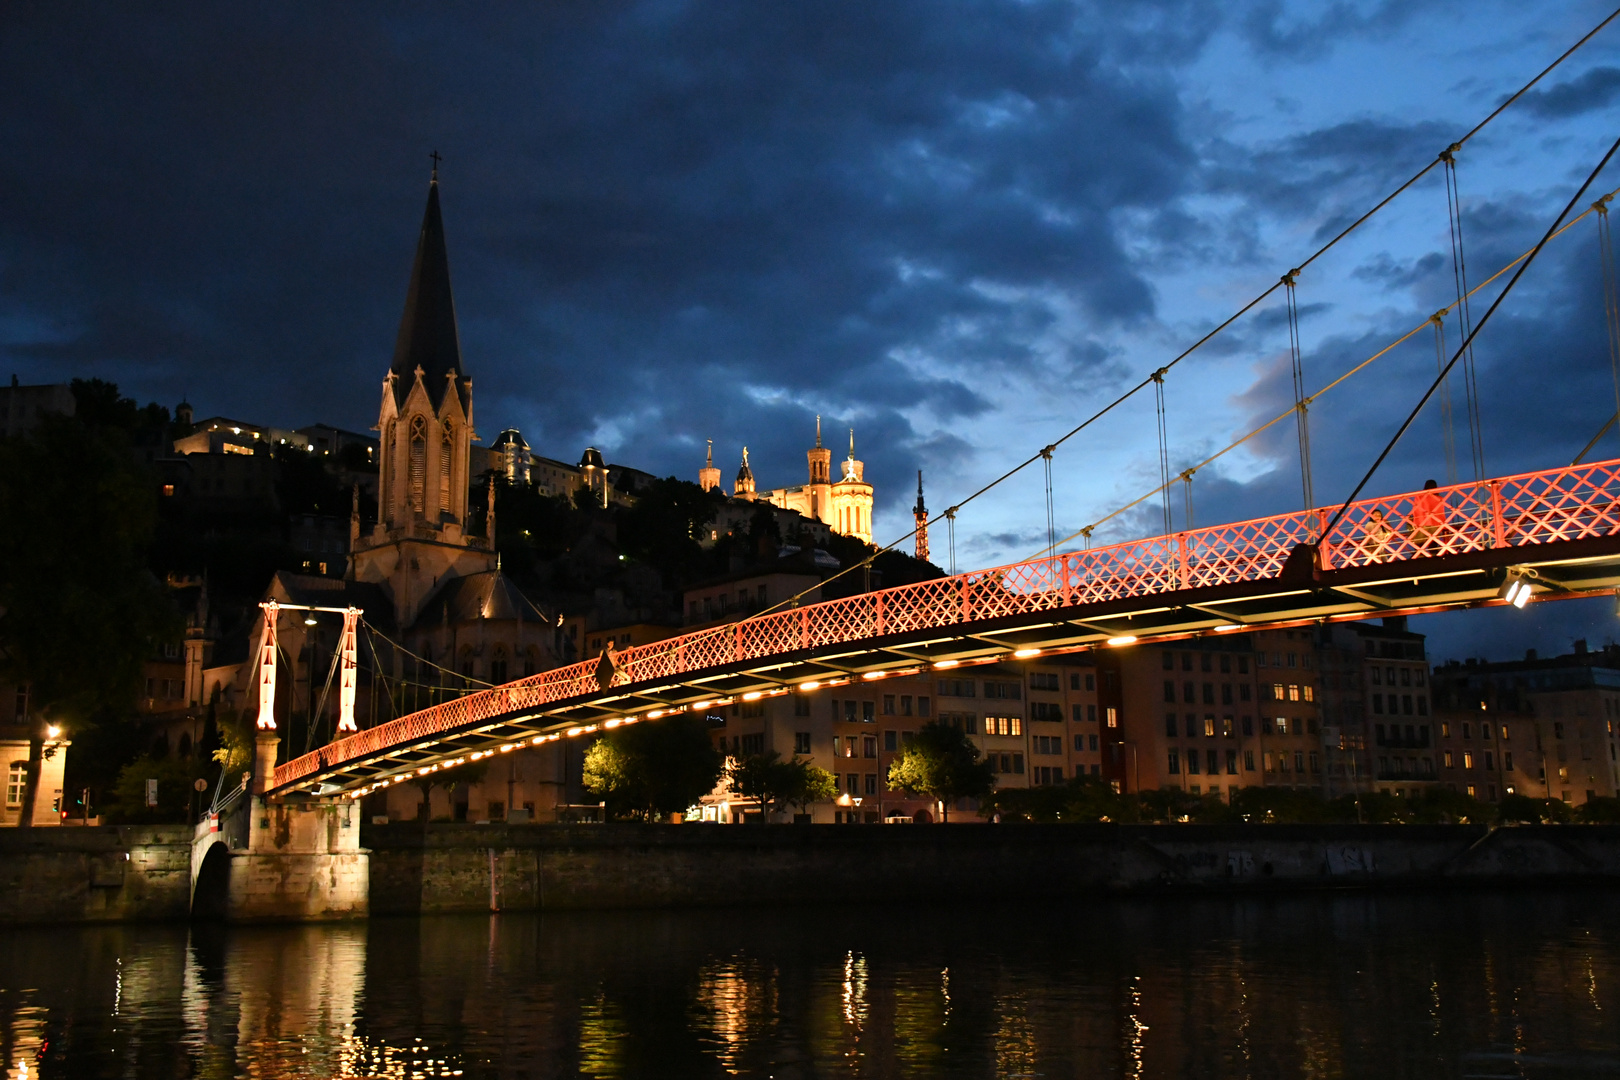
x: 1595, y: 89
x: 656, y: 212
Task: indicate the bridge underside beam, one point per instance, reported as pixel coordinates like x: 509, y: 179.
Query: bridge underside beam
x: 1299, y: 596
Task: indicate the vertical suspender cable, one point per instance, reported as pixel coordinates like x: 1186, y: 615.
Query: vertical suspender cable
x: 1447, y: 426
x: 1301, y: 404
x: 1164, y: 449
x: 1186, y: 480
x: 1611, y: 300
x: 1051, y: 520
x: 1459, y: 270
x: 950, y: 532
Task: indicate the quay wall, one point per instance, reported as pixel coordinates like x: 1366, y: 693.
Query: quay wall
x: 131, y: 873
x: 467, y: 868
x: 94, y: 874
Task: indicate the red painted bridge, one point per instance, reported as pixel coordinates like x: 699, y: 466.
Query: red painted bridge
x: 1557, y: 530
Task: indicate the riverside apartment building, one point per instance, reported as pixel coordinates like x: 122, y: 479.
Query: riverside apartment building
x: 1038, y: 722
x: 1543, y: 727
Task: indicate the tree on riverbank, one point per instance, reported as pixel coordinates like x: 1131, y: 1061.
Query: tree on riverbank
x: 79, y: 610
x: 943, y: 764
x: 654, y: 768
x: 778, y: 784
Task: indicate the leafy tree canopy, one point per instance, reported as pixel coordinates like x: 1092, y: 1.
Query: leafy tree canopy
x: 664, y: 527
x: 777, y: 783
x: 943, y: 764
x: 175, y: 795
x: 655, y: 768
x: 81, y: 610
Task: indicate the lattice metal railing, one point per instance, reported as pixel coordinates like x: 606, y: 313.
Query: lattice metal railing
x: 1571, y: 503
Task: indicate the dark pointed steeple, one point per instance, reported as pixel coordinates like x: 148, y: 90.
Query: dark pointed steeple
x: 427, y: 332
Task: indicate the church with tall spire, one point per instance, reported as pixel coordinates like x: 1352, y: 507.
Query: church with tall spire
x: 438, y: 568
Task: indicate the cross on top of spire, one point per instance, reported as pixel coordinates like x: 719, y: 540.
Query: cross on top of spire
x: 436, y: 159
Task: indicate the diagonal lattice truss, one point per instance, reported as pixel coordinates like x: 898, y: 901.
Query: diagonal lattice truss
x: 1417, y: 551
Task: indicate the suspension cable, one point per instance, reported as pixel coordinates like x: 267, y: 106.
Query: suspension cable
x: 1051, y: 521
x: 422, y: 660
x: 950, y: 514
x: 1611, y: 317
x: 1611, y: 298
x: 320, y: 709
x: 1440, y: 315
x: 1448, y: 430
x: 1552, y: 230
x: 1301, y: 407
x: 1459, y: 271
x: 1164, y: 451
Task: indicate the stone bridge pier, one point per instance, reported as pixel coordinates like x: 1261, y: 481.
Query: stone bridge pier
x: 263, y: 858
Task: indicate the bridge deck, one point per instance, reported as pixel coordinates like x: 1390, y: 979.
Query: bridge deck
x: 1418, y: 551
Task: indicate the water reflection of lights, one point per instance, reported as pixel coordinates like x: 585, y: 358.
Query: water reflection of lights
x: 740, y: 1001
x: 855, y: 990
x: 602, y: 1032
x: 945, y: 993
x: 1133, y: 1049
x: 361, y: 1057
x: 1015, y: 1037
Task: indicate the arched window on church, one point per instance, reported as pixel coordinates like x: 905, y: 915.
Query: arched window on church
x: 385, y: 475
x: 445, y: 456
x: 418, y: 462
x: 497, y: 666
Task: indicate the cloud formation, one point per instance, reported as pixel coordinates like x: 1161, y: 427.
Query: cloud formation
x: 957, y: 231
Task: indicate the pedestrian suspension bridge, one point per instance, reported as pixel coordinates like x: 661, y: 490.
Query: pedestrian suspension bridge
x: 1490, y: 540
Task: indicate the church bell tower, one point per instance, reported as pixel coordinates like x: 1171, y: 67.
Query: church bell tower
x: 425, y: 428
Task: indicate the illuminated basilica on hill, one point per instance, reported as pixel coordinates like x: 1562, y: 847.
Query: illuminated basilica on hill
x: 844, y: 505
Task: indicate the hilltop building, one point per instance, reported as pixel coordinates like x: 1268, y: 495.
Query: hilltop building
x: 844, y: 505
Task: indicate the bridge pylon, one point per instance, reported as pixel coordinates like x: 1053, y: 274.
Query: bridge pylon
x: 258, y: 857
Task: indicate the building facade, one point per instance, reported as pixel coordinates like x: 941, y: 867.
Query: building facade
x: 1543, y: 727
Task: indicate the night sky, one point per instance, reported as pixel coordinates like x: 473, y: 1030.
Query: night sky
x: 957, y: 227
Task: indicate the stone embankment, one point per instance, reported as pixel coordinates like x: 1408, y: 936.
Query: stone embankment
x: 129, y: 873
x: 464, y: 868
x: 96, y: 874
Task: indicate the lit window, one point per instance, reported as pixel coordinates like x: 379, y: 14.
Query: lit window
x: 1468, y: 759
x: 16, y: 777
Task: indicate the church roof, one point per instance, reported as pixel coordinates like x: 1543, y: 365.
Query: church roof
x: 487, y: 595
x: 428, y: 338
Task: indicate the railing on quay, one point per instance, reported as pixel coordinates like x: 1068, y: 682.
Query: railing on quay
x: 1569, y: 503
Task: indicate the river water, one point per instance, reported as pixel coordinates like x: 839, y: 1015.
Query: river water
x: 1522, y: 984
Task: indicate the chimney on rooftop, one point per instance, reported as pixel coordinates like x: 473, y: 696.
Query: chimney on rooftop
x: 1580, y: 646
x: 1529, y: 654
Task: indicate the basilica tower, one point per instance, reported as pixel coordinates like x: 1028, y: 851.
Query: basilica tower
x: 425, y: 428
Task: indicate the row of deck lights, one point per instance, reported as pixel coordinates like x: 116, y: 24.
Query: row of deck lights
x: 1118, y: 641
x: 698, y: 706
